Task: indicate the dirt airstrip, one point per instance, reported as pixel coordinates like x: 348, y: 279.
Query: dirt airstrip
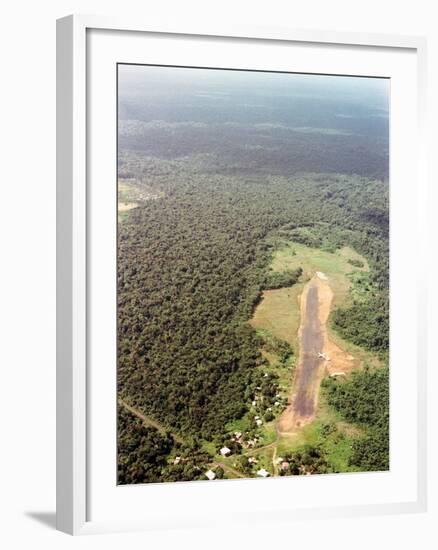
x: 318, y: 355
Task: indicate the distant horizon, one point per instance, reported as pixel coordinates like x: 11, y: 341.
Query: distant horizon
x: 176, y: 107
x: 168, y: 94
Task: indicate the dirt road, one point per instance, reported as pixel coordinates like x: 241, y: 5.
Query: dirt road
x: 148, y: 421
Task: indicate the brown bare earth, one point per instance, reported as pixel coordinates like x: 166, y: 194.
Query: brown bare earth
x: 318, y: 355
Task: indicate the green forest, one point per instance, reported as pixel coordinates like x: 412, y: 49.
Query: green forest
x: 192, y: 266
x: 364, y: 400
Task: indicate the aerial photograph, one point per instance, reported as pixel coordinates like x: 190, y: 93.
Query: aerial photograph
x: 253, y: 274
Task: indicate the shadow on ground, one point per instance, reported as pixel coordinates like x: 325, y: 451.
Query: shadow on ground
x: 45, y: 518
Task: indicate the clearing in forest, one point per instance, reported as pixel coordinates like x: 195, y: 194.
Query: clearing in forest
x: 300, y: 316
x: 131, y: 194
x: 279, y: 310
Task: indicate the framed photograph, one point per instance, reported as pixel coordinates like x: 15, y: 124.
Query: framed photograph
x: 241, y: 289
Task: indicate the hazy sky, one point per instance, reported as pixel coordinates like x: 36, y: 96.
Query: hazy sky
x: 174, y: 82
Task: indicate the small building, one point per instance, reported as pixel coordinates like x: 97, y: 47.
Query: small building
x: 262, y: 473
x: 225, y: 451
x: 210, y: 475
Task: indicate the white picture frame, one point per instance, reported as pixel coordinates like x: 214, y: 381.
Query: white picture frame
x: 74, y: 220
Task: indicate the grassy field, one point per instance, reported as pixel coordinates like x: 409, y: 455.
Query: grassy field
x: 279, y: 311
x: 336, y: 266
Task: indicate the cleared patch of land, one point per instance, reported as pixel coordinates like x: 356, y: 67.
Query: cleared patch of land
x: 124, y: 206
x: 279, y: 310
x: 317, y: 296
x: 335, y: 265
x: 318, y: 355
x: 128, y: 194
x: 131, y: 193
x: 282, y: 313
